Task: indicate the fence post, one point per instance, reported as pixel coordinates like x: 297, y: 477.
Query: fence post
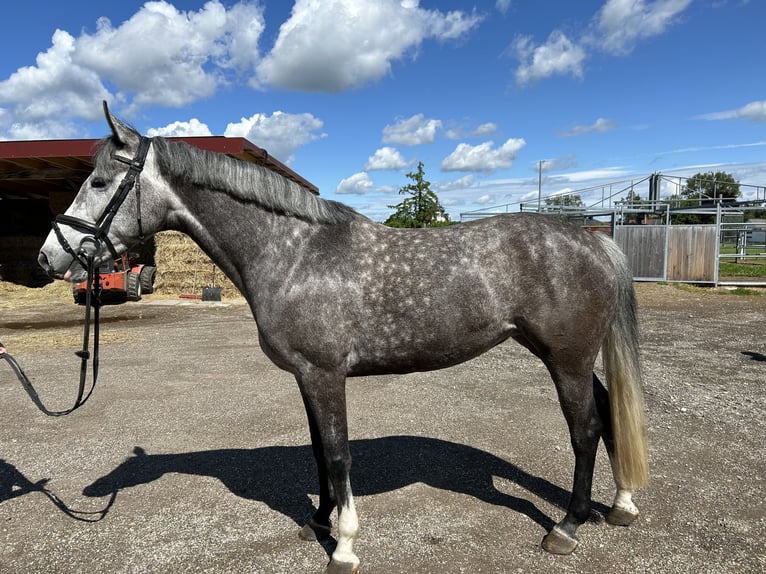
x: 667, y: 243
x: 717, y: 243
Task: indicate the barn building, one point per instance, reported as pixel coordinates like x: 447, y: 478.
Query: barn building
x: 39, y: 179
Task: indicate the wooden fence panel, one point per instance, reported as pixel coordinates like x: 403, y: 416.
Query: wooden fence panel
x: 644, y: 246
x: 692, y: 253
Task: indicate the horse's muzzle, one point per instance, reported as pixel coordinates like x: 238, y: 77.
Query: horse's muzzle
x: 42, y: 260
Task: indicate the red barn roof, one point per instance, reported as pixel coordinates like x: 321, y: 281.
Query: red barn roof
x: 36, y: 169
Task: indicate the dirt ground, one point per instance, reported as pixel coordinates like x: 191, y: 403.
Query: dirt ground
x: 193, y: 455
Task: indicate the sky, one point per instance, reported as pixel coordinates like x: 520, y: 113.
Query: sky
x: 498, y: 98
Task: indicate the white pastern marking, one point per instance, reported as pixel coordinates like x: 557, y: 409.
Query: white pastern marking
x: 624, y: 500
x: 348, y: 526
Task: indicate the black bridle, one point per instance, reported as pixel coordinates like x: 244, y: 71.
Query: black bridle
x: 98, y: 232
x: 95, y: 234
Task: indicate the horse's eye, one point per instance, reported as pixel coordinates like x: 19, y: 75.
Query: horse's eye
x: 98, y: 182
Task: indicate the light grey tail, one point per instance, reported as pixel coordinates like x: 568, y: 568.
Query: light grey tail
x: 623, y: 375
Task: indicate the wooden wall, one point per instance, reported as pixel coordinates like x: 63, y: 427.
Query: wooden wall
x: 644, y: 246
x: 691, y: 251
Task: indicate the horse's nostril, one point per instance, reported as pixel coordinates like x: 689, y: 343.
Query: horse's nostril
x: 42, y: 260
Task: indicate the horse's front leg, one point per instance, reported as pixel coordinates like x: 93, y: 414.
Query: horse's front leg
x: 319, y: 526
x: 324, y: 395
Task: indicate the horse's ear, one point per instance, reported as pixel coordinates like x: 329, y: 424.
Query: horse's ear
x: 121, y: 132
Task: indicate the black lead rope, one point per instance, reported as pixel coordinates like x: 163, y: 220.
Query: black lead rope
x: 92, y: 302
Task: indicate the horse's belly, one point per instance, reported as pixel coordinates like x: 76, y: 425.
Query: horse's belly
x: 410, y: 352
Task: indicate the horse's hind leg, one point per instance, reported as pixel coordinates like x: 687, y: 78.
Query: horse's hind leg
x: 324, y: 395
x: 623, y: 511
x: 578, y: 405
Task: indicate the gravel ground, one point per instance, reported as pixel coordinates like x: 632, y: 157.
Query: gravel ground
x: 193, y: 455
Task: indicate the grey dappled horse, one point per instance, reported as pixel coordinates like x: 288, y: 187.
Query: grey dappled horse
x: 336, y: 295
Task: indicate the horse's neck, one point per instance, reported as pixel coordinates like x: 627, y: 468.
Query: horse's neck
x: 245, y: 241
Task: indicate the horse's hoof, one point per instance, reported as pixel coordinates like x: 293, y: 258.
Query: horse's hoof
x: 558, y: 542
x: 313, y: 531
x: 335, y: 567
x: 619, y: 516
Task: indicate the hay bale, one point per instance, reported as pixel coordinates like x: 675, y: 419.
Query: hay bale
x: 183, y: 268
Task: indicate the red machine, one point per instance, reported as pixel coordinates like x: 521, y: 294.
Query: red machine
x: 121, y: 280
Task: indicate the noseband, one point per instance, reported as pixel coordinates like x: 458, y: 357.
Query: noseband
x: 98, y: 232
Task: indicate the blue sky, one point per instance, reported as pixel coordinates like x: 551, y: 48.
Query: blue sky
x: 353, y: 93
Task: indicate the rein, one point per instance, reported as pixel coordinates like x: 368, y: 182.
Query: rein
x: 92, y: 301
x: 90, y: 245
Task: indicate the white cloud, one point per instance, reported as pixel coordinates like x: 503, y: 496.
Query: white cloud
x: 557, y: 163
x: 164, y: 56
x: 620, y: 24
x: 333, y: 45
x: 754, y: 112
x: 599, y: 126
x: 616, y: 29
x: 503, y: 5
x: 529, y: 196
x: 193, y: 127
x: 462, y: 183
x: 36, y: 98
x: 485, y: 129
x: 357, y: 184
x: 159, y: 56
x: 412, y: 131
x: 590, y: 175
x: 559, y: 55
x: 483, y: 157
x: 280, y: 133
x: 480, y: 131
x: 385, y: 158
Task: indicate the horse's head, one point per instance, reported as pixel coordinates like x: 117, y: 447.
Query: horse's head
x: 139, y: 469
x: 106, y: 217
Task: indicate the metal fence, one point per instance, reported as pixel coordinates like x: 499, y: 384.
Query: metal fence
x: 660, y: 250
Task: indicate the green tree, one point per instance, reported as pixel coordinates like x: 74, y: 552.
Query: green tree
x: 701, y: 189
x: 631, y: 201
x: 712, y: 185
x: 632, y: 198
x: 421, y: 208
x: 564, y: 200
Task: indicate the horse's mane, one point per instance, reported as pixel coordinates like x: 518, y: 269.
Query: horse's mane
x: 184, y: 165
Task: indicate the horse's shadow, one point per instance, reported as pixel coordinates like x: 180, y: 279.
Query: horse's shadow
x: 283, y: 476
x: 755, y: 356
x: 13, y: 483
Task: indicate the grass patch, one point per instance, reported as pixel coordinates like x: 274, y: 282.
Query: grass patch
x: 741, y: 270
x: 724, y: 250
x: 741, y: 291
x: 687, y: 287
